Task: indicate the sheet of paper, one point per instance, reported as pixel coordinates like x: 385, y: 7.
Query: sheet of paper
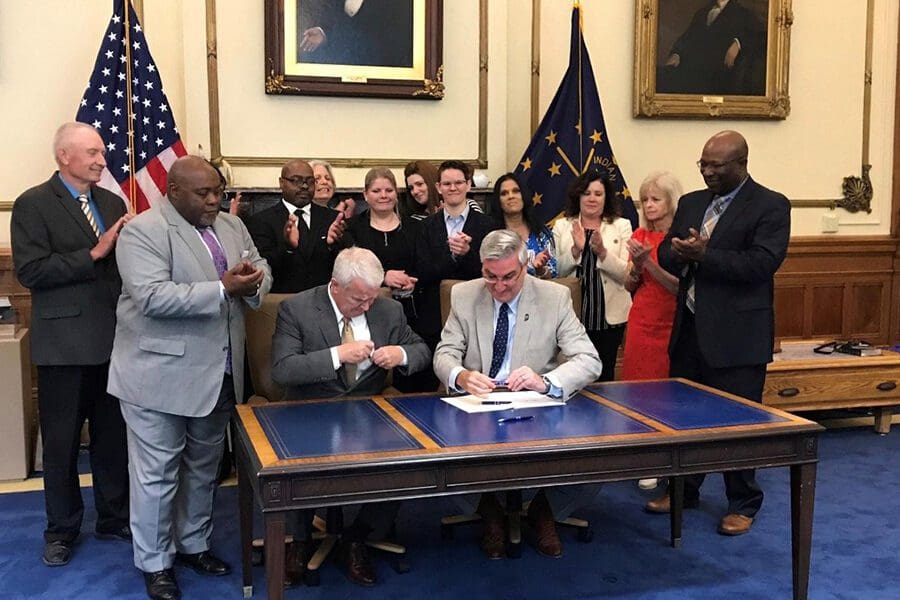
x: 474, y: 404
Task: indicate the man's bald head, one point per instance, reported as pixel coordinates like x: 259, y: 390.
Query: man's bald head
x: 297, y: 182
x: 195, y: 190
x: 80, y: 153
x: 723, y: 163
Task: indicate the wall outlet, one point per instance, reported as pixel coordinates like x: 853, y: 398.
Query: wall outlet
x: 829, y: 223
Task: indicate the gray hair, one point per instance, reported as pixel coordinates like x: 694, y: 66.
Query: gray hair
x: 357, y: 263
x: 668, y: 184
x: 327, y: 165
x: 501, y: 244
x: 64, y: 133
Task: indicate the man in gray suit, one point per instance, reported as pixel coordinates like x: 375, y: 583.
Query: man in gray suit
x: 490, y: 339
x: 342, y: 339
x: 189, y: 271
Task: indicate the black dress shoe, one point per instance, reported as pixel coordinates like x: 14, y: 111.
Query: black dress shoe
x: 122, y: 534
x: 161, y: 585
x: 205, y: 563
x: 356, y: 563
x: 57, y: 553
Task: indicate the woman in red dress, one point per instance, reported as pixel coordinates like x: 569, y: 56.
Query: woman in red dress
x: 650, y: 320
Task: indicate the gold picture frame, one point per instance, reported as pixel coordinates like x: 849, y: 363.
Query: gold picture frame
x: 753, y: 79
x: 324, y: 48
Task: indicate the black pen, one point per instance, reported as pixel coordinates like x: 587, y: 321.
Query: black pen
x: 503, y: 420
x: 495, y: 402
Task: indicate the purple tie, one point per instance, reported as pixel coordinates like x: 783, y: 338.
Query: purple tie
x: 221, y: 263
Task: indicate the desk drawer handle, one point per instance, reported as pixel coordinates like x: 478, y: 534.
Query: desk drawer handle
x: 886, y: 386
x: 788, y: 392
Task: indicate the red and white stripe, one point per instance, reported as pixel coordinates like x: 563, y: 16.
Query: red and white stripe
x: 151, y: 180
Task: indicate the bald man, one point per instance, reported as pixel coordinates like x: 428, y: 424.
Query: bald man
x: 725, y: 244
x: 64, y: 234
x: 296, y: 235
x: 189, y: 273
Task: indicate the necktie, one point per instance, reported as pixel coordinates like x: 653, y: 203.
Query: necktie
x: 501, y: 332
x: 86, y: 209
x: 710, y: 218
x: 346, y: 337
x: 221, y: 264
x: 301, y: 222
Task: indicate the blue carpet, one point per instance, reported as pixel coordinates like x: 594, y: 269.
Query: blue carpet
x: 854, y: 547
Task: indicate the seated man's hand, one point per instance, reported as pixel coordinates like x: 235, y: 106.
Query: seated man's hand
x: 475, y: 383
x: 388, y: 357
x: 355, y: 352
x: 524, y: 378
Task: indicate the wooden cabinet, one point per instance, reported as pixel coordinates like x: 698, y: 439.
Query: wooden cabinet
x: 799, y: 380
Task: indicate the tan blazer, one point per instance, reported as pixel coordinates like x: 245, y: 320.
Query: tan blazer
x: 615, y: 235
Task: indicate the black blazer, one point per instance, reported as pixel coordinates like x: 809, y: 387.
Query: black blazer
x: 434, y: 262
x: 734, y: 313
x: 294, y: 270
x: 73, y: 316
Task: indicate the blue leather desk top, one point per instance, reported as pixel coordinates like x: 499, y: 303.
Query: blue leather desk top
x: 682, y: 406
x: 329, y: 428
x: 579, y: 417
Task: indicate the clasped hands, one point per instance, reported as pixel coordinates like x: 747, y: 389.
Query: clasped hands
x: 459, y: 243
x: 692, y: 247
x: 386, y: 357
x: 399, y: 280
x: 243, y: 279
x: 479, y: 384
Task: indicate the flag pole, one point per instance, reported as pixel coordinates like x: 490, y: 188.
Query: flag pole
x: 577, y: 7
x: 132, y: 183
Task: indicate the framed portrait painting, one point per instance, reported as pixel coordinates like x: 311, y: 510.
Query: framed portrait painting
x: 712, y: 58
x: 379, y: 48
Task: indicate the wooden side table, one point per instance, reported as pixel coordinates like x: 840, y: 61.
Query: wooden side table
x: 17, y: 409
x: 799, y: 380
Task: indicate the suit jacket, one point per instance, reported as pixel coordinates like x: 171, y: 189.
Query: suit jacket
x: 546, y: 326
x: 616, y: 299
x: 294, y: 270
x: 174, y: 326
x: 305, y: 332
x: 73, y: 298
x: 734, y: 314
x: 434, y: 262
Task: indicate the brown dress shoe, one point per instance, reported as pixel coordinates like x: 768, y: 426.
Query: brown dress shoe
x: 294, y: 563
x: 493, y: 536
x: 540, y: 516
x: 735, y: 524
x: 663, y: 506
x: 357, y: 565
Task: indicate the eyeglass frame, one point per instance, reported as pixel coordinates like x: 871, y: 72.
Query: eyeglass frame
x: 702, y: 164
x: 298, y: 181
x: 507, y: 279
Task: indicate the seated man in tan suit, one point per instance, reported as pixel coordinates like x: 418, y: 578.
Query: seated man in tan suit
x: 490, y: 338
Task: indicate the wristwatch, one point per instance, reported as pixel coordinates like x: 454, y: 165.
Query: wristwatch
x: 547, y: 383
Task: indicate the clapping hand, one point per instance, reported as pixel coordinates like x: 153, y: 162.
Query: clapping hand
x: 243, y: 279
x: 292, y: 231
x: 639, y: 253
x: 336, y: 229
x: 459, y: 243
x: 578, y: 238
x: 691, y: 248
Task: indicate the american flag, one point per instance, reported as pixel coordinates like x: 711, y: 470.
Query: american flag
x: 118, y: 94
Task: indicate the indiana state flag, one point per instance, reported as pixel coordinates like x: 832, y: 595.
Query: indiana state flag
x: 572, y: 139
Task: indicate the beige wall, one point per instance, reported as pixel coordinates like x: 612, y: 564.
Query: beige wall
x: 805, y: 156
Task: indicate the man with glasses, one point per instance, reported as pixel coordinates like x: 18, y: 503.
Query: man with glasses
x: 526, y: 323
x: 447, y: 247
x: 725, y: 244
x: 295, y: 235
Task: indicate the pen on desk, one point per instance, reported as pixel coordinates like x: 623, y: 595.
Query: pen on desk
x: 503, y: 420
x: 495, y: 402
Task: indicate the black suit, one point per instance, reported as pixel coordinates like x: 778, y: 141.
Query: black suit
x: 727, y: 341
x: 72, y: 328
x: 294, y: 269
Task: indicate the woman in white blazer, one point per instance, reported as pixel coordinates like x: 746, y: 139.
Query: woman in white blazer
x: 591, y: 242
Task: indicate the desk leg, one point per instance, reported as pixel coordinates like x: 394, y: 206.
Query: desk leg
x: 883, y: 416
x: 514, y: 516
x: 274, y: 540
x: 245, y: 510
x: 676, y: 504
x: 803, y: 492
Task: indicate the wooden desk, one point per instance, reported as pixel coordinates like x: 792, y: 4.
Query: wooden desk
x: 800, y: 379
x: 330, y: 453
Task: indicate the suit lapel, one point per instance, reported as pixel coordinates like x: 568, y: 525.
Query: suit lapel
x: 523, y: 325
x: 378, y: 329
x: 190, y: 237
x: 71, y: 207
x: 325, y: 318
x: 111, y: 208
x: 484, y: 322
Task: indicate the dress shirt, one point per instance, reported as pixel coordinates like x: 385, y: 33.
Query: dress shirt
x: 304, y: 211
x: 360, y: 326
x: 455, y: 224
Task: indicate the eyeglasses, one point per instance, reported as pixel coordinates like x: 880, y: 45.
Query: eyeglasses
x: 298, y: 181
x: 715, y: 166
x: 508, y: 278
x: 453, y: 184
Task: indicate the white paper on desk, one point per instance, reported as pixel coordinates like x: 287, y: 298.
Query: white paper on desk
x: 472, y: 404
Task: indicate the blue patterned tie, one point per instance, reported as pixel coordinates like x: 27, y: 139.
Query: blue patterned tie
x: 221, y: 264
x: 710, y: 218
x: 501, y: 332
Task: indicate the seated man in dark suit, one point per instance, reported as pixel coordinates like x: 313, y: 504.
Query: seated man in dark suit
x: 295, y: 235
x: 342, y: 339
x: 493, y: 312
x: 447, y: 246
